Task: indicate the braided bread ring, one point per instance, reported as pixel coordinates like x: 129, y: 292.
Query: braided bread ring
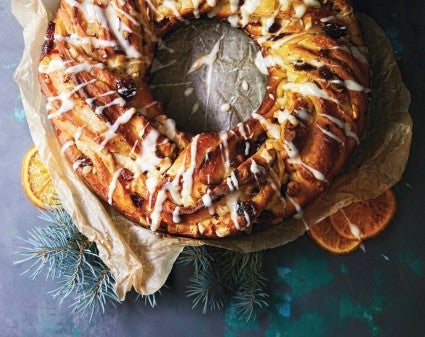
x: 93, y: 71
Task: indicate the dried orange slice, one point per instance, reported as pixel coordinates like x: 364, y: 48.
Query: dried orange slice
x: 365, y: 219
x: 37, y: 181
x: 328, y: 238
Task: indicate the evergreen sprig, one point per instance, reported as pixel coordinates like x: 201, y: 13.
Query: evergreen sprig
x: 59, y: 250
x: 223, y: 276
x: 66, y: 255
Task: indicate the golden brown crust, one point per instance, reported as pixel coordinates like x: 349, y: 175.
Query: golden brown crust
x: 93, y: 69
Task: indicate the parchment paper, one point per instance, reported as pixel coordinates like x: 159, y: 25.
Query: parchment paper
x: 142, y: 259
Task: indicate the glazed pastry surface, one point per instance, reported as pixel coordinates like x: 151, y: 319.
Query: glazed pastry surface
x: 93, y: 72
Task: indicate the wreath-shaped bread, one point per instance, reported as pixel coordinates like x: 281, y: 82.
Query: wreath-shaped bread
x: 93, y: 72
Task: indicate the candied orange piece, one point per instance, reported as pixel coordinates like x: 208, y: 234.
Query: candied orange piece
x: 365, y: 219
x: 328, y: 238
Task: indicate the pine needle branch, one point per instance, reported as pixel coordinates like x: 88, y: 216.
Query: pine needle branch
x: 250, y: 294
x: 200, y: 257
x: 66, y: 255
x: 206, y: 289
x: 149, y: 299
x: 220, y: 275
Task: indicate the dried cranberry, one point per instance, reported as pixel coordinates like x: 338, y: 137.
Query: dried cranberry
x: 137, y: 199
x: 49, y: 39
x: 126, y: 88
x: 84, y: 161
x: 274, y: 27
x: 324, y: 53
x: 334, y: 30
x: 301, y: 65
x: 118, y: 50
x: 254, y: 147
x: 127, y: 175
x: 50, y: 32
x: 240, y: 148
x: 278, y: 37
x: 47, y: 47
x: 325, y: 73
x: 244, y: 208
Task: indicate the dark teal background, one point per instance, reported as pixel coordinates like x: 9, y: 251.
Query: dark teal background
x: 380, y: 292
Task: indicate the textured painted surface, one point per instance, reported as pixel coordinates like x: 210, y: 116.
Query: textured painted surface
x: 377, y: 293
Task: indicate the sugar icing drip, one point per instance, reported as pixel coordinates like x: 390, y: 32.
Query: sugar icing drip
x: 113, y: 185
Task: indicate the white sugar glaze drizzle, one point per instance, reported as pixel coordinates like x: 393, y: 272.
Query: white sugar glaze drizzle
x: 118, y: 28
x: 188, y: 91
x: 85, y: 66
x: 113, y: 185
x: 316, y: 173
x: 157, y: 65
x: 78, y: 134
x: 308, y: 89
x: 196, y: 8
x: 211, y: 3
x: 90, y: 101
x: 224, y: 145
x: 345, y: 126
x: 54, y: 65
x: 234, y: 5
x: 90, y: 11
x: 125, y: 14
x: 263, y: 63
x: 331, y: 135
x: 176, y: 215
x: 225, y: 107
x: 207, y: 60
x: 188, y: 175
x: 148, y: 160
x: 247, y: 9
x: 290, y: 149
x: 351, y: 85
x: 206, y: 199
x: 299, y: 210
x: 272, y: 129
x: 67, y: 103
x: 156, y: 212
x: 245, y: 86
x: 256, y: 169
x: 123, y: 119
x: 232, y: 182
x: 303, y: 114
x: 117, y: 101
x: 354, y: 229
x: 232, y: 201
x: 285, y: 115
x: 168, y: 128
x: 172, y: 5
x: 67, y: 145
x: 77, y: 40
x: 233, y: 20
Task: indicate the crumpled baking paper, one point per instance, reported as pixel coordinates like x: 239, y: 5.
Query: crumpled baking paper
x: 143, y: 259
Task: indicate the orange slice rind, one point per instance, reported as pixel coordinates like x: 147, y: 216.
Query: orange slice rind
x: 328, y: 238
x: 365, y: 219
x: 344, y: 231
x: 37, y: 181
